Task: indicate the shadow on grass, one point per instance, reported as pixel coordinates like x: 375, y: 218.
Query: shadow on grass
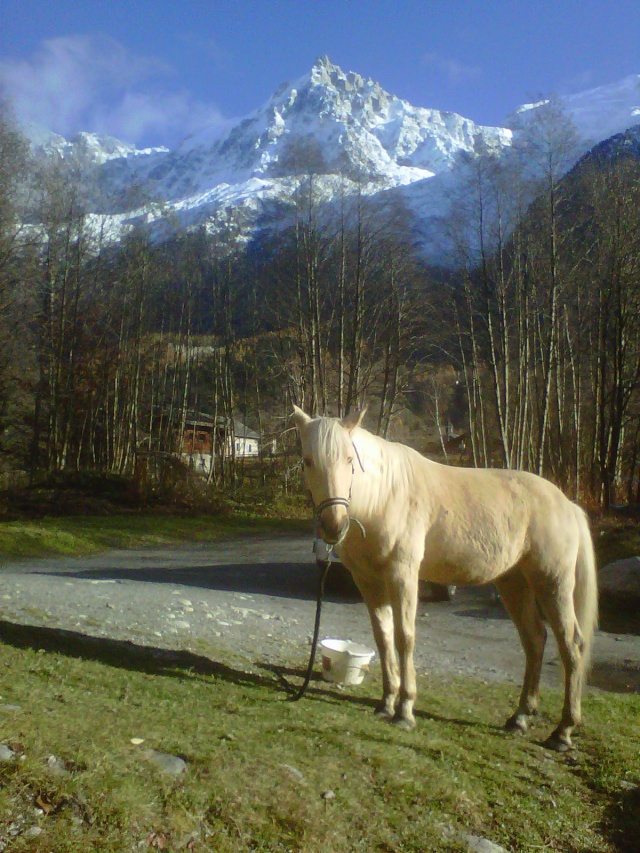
x: 325, y: 694
x: 163, y: 662
x: 621, y: 825
x: 124, y: 654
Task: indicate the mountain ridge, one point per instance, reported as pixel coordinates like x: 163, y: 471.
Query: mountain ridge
x: 351, y: 133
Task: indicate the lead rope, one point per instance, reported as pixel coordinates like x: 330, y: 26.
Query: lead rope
x: 322, y: 578
x: 316, y: 630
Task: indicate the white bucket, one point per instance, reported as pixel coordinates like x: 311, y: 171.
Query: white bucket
x: 344, y: 662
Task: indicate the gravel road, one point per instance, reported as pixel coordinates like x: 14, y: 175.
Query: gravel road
x: 253, y: 599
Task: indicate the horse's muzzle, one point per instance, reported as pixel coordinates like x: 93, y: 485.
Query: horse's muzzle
x: 334, y: 523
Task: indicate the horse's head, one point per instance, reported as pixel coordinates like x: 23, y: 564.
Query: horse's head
x: 328, y: 456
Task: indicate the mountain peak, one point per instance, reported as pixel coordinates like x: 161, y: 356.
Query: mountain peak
x: 344, y: 128
x: 323, y: 62
x: 325, y: 74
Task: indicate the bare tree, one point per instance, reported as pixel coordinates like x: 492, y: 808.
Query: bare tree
x: 16, y: 266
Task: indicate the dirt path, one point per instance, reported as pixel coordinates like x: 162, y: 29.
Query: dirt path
x: 254, y: 599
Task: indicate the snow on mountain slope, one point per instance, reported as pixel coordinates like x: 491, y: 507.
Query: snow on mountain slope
x: 328, y: 122
x: 91, y: 149
x: 602, y: 112
x: 352, y: 134
x: 597, y: 115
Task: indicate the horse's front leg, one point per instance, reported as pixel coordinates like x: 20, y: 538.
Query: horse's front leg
x: 403, y: 592
x: 381, y: 615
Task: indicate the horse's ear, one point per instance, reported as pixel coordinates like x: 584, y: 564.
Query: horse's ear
x: 353, y: 419
x: 300, y: 417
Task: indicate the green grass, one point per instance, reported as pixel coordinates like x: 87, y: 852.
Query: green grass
x: 259, y: 766
x: 614, y: 537
x: 85, y: 534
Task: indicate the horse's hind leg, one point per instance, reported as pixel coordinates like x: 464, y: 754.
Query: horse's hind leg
x: 557, y: 605
x: 520, y: 603
x: 381, y: 615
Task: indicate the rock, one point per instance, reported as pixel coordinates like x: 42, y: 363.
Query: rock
x: 56, y: 766
x: 621, y: 580
x: 294, y: 772
x: 476, y: 844
x: 6, y: 753
x: 170, y: 764
x: 33, y: 831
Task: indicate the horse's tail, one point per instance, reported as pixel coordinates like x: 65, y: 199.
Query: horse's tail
x: 585, y: 593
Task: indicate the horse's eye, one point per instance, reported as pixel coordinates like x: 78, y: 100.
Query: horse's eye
x: 350, y: 460
x: 308, y: 462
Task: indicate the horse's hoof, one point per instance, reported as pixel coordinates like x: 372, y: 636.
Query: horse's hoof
x: 403, y: 723
x: 558, y: 743
x: 517, y: 724
x: 383, y: 713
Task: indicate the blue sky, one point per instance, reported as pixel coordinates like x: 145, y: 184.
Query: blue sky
x: 152, y: 72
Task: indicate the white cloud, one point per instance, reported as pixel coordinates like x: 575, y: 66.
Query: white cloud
x: 456, y: 72
x: 96, y: 84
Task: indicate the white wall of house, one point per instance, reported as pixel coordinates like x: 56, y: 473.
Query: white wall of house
x: 201, y: 462
x: 244, y: 446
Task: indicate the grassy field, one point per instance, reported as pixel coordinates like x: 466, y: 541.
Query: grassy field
x: 85, y: 534
x: 266, y: 774
x: 82, y: 533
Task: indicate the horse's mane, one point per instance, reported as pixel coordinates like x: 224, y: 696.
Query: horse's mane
x: 329, y: 440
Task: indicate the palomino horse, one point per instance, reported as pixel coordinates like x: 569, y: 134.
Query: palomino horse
x: 419, y: 519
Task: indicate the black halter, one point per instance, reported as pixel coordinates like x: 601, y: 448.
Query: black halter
x: 331, y: 502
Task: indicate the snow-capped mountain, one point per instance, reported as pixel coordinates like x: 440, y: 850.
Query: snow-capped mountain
x: 599, y: 113
x: 348, y: 131
x: 90, y: 149
x: 606, y: 113
x: 336, y: 123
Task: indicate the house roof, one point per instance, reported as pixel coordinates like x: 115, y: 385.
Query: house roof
x: 242, y: 431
